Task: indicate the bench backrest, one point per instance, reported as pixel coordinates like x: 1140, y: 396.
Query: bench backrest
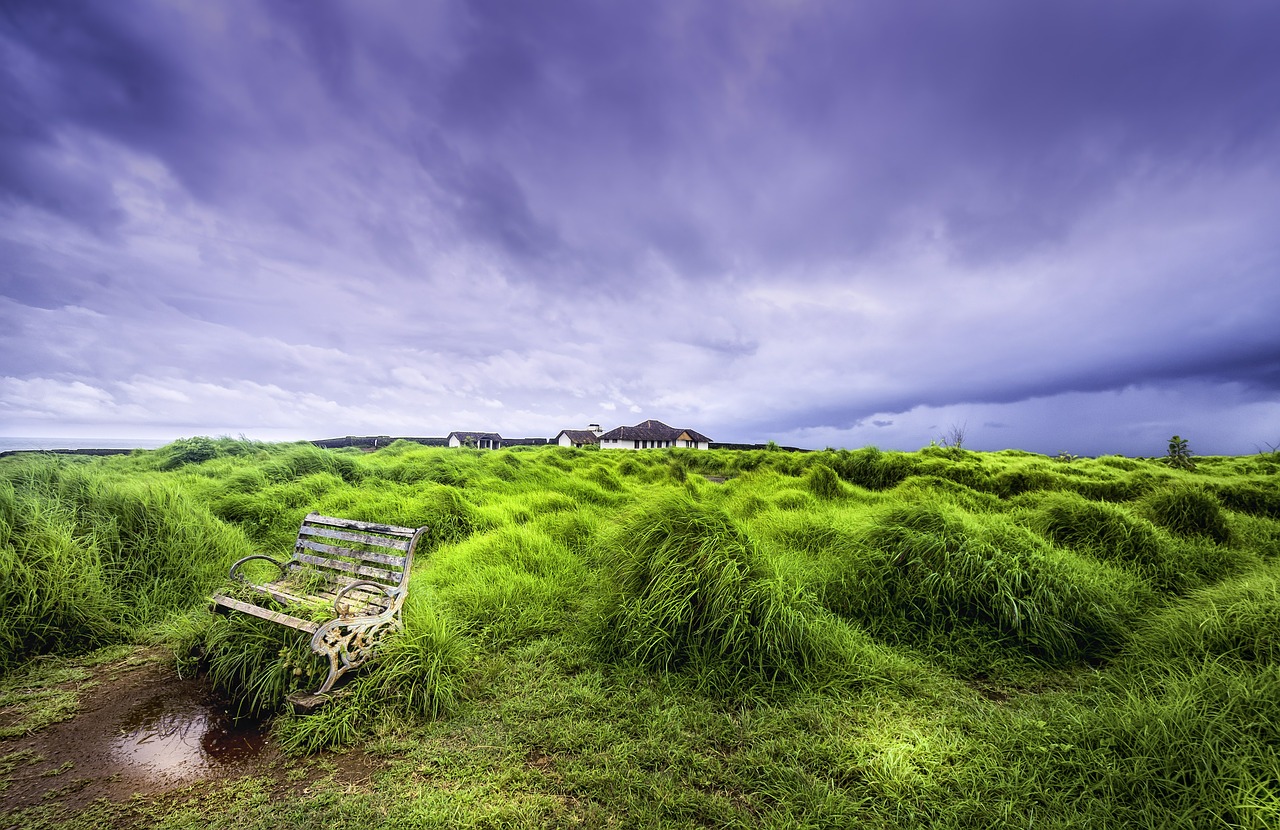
x: 348, y: 550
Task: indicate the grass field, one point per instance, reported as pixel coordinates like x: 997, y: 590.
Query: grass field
x: 610, y: 639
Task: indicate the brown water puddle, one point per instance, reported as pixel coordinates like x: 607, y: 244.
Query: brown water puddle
x: 183, y: 731
x: 140, y: 730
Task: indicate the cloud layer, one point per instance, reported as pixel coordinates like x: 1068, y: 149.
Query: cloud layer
x: 815, y: 222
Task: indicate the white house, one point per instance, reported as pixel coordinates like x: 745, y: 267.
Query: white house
x: 651, y: 435
x: 479, y: 440
x: 579, y: 437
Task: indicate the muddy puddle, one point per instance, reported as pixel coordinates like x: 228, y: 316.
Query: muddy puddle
x: 184, y: 731
x: 140, y: 731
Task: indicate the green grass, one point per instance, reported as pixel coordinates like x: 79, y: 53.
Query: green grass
x: 86, y: 558
x: 943, y: 638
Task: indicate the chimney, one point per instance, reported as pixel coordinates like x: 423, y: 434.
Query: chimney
x: 595, y: 428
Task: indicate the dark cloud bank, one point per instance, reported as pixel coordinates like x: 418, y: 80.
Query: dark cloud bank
x: 821, y: 223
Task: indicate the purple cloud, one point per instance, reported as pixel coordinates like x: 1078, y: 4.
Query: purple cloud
x: 763, y: 220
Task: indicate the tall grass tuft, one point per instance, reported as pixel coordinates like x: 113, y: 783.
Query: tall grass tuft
x: 1112, y: 533
x: 871, y: 468
x: 54, y: 585
x: 91, y: 559
x: 685, y: 587
x: 931, y: 573
x: 607, y: 481
x: 823, y: 482
x: 418, y: 674
x: 258, y: 663
x: 299, y: 460
x: 448, y: 516
x: 1187, y: 511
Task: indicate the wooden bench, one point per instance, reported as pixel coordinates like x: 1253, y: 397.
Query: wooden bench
x: 358, y: 572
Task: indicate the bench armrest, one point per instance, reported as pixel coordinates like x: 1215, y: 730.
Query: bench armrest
x: 239, y: 562
x: 391, y: 592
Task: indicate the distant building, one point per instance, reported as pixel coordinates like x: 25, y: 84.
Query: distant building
x: 579, y: 437
x: 492, y: 441
x: 479, y: 440
x: 652, y: 435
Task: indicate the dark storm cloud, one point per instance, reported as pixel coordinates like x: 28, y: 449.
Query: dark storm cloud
x: 489, y: 202
x: 755, y: 217
x: 1007, y: 119
x: 100, y: 68
x: 1002, y: 121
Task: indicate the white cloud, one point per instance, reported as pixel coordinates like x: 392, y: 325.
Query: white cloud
x: 49, y: 399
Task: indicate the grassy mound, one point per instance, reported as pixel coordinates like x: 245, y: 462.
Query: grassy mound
x: 87, y: 560
x: 508, y: 586
x: 685, y: 587
x: 674, y: 638
x: 929, y: 571
x: 1187, y: 511
x: 1236, y: 622
x: 871, y: 468
x: 823, y: 482
x: 1111, y: 533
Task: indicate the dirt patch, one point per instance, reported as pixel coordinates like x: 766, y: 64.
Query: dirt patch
x: 139, y: 729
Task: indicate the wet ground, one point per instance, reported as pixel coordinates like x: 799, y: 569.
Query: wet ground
x: 139, y: 730
x: 182, y: 731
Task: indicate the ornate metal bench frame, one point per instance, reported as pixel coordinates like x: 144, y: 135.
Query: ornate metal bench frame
x: 361, y: 569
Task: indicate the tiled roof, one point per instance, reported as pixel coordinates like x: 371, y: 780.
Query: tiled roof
x: 475, y: 436
x: 579, y: 436
x: 650, y: 431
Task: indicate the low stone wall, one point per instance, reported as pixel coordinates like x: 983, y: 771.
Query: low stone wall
x: 119, y: 451
x: 720, y: 445
x: 373, y: 442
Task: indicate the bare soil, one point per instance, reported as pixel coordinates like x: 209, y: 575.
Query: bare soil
x: 142, y: 730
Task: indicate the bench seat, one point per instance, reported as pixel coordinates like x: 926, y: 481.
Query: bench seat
x: 349, y: 578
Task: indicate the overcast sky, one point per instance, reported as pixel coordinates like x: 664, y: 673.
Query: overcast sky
x: 1052, y: 225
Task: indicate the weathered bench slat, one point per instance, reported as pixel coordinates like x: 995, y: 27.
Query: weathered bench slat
x: 284, y: 592
x: 359, y: 595
x: 333, y: 565
x: 280, y: 595
x: 348, y: 536
x: 391, y: 560
x: 267, y: 614
x: 361, y: 602
x: 355, y: 524
x: 334, y: 550
x: 349, y: 567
